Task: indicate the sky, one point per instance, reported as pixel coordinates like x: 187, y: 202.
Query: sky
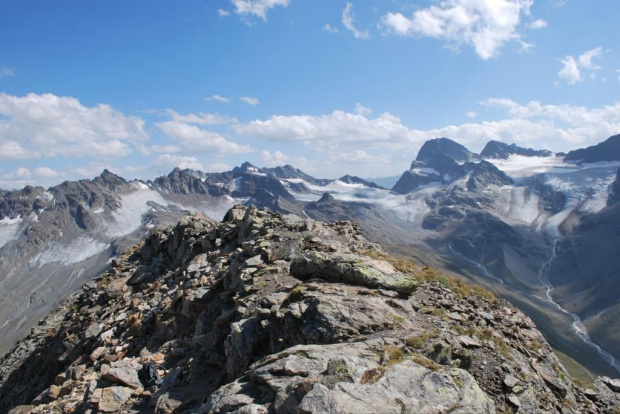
x: 332, y: 87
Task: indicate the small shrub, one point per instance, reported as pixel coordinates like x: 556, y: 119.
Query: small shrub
x: 398, y: 318
x: 395, y: 354
x: 419, y: 341
x: 425, y: 362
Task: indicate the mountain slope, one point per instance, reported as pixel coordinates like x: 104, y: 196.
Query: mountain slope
x: 273, y: 313
x: 608, y: 150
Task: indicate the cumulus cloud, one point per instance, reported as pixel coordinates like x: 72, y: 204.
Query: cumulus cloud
x: 223, y: 13
x: 277, y: 158
x: 168, y: 161
x: 471, y: 114
x: 5, y: 72
x: 348, y: 20
x: 47, y: 125
x: 340, y: 126
x: 201, y: 118
x: 485, y: 25
x: 257, y: 8
x: 559, y: 127
x: 45, y: 172
x: 573, y: 68
x: 362, y: 110
x: 249, y: 100
x: 198, y: 140
x: 570, y: 70
x: 217, y: 98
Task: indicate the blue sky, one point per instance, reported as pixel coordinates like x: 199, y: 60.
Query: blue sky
x: 330, y: 86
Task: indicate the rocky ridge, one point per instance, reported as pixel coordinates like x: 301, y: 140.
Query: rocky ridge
x: 266, y: 312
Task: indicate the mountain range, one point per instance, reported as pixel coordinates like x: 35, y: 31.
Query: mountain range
x: 538, y: 228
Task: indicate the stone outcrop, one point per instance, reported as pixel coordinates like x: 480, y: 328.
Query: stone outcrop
x: 265, y: 312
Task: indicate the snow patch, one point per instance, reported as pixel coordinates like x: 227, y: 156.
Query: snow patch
x: 68, y: 253
x: 8, y: 229
x: 521, y: 166
x: 128, y: 217
x: 425, y: 171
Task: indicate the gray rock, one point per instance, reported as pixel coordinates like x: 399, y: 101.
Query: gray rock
x: 93, y: 330
x: 351, y: 269
x: 113, y: 398
x: 122, y: 372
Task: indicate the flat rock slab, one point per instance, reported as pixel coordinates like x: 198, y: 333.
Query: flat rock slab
x: 352, y: 269
x: 113, y: 398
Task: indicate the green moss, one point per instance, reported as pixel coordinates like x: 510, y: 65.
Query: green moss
x: 297, y: 293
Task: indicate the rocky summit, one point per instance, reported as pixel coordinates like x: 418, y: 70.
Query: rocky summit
x: 270, y: 313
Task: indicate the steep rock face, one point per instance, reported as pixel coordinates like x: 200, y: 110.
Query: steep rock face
x: 266, y: 312
x: 614, y: 191
x: 585, y: 274
x: 499, y: 150
x: 440, y: 160
x: 608, y: 150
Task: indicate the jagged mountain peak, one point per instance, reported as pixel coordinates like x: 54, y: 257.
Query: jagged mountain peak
x: 246, y: 168
x: 351, y: 179
x: 500, y: 150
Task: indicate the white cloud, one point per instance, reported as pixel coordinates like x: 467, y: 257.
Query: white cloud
x: 348, y: 20
x: 258, y: 8
x: 471, y: 114
x: 6, y: 72
x: 198, y: 140
x: 170, y: 161
x: 217, y: 98
x: 339, y: 126
x: 362, y: 110
x: 277, y: 158
x: 329, y: 28
x: 355, y: 157
x: 47, y: 125
x: 485, y: 25
x: 585, y: 59
x: 272, y: 159
x: 218, y: 167
x: 201, y: 118
x: 166, y: 148
x: 557, y: 127
x: 570, y: 70
x: 249, y: 100
x: 573, y: 68
x: 45, y: 172
x: 223, y: 13
x: 538, y: 24
x: 22, y: 173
